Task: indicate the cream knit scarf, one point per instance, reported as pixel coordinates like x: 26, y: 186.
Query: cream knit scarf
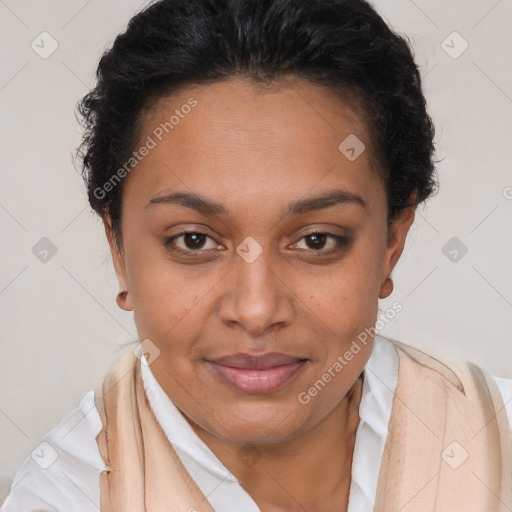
x: 448, y: 447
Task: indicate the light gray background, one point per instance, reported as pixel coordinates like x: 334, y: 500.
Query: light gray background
x: 60, y: 323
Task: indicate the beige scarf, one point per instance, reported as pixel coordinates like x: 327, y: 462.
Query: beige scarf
x: 448, y: 446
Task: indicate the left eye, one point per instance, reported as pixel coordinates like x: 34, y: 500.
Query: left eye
x: 317, y: 241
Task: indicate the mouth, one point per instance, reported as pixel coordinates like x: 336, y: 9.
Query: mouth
x: 257, y: 374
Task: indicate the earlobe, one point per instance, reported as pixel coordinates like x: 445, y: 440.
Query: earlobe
x: 123, y: 301
x: 123, y: 298
x: 386, y: 288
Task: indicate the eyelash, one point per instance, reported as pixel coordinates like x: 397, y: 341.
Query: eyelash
x: 341, y: 243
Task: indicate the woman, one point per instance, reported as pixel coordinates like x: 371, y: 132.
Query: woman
x: 257, y: 166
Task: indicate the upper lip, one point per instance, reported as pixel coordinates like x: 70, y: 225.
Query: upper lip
x: 256, y: 362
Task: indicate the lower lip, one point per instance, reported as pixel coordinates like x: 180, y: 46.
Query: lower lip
x: 257, y: 381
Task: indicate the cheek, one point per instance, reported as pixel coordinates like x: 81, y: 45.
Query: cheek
x: 347, y: 298
x: 164, y: 295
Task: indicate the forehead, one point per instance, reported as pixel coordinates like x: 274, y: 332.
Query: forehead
x: 236, y: 140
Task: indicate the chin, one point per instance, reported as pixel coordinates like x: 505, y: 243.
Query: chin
x: 261, y: 424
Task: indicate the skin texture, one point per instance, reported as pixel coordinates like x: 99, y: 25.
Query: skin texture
x: 254, y: 150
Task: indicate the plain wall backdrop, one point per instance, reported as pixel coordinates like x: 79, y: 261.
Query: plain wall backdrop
x: 60, y: 325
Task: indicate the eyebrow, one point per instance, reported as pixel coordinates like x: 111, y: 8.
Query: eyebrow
x: 206, y: 206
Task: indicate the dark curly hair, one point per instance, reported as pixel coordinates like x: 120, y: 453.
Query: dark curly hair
x: 343, y: 45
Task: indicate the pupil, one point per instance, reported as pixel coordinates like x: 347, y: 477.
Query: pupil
x: 318, y: 239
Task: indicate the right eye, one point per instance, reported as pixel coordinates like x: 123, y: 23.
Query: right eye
x: 192, y: 242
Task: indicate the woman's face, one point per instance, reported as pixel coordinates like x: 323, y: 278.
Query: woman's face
x: 254, y: 173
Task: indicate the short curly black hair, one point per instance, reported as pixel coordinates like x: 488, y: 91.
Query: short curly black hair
x: 341, y: 44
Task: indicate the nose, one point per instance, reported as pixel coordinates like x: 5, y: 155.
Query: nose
x: 259, y: 300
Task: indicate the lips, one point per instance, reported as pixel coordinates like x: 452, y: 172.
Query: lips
x: 257, y: 374
x: 261, y: 362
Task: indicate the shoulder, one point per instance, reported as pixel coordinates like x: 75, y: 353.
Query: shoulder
x: 452, y: 370
x: 505, y: 387
x: 62, y: 471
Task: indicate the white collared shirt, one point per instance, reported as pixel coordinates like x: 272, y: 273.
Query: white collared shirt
x: 62, y: 473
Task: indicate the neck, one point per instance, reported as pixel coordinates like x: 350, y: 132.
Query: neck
x: 301, y: 473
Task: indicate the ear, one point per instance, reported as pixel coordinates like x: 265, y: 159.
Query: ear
x: 395, y: 245
x: 123, y: 299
